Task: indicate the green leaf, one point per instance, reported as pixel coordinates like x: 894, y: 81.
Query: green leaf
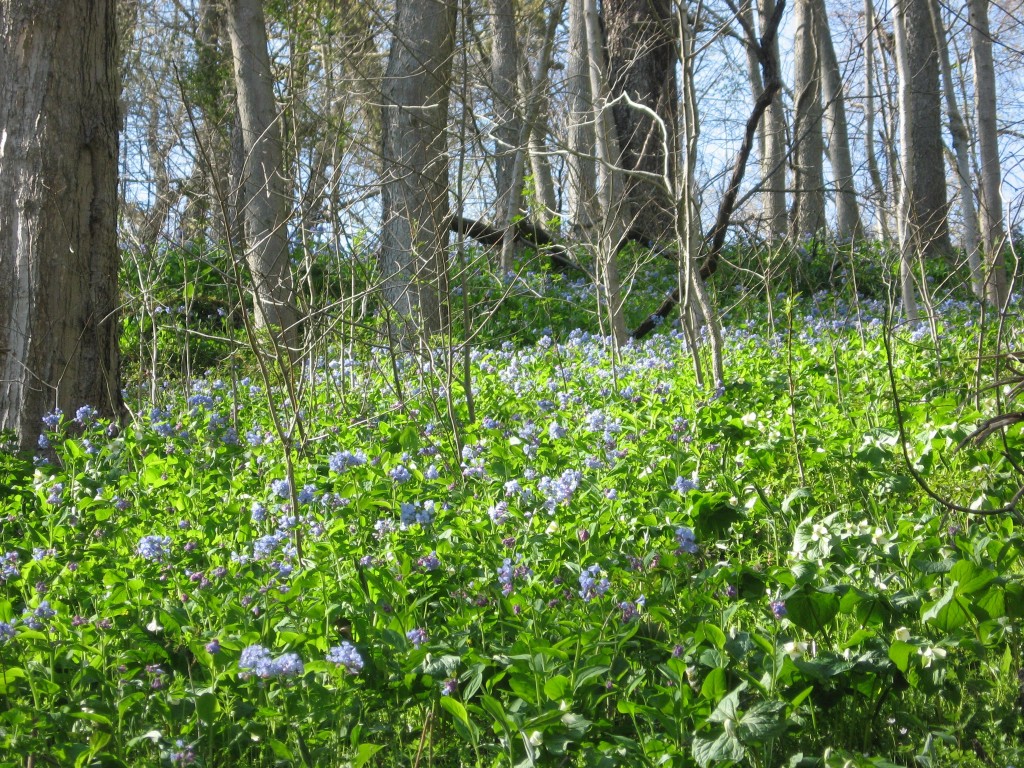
x: 728, y: 707
x: 970, y: 577
x: 723, y: 747
x: 365, y: 753
x: 947, y: 613
x: 762, y: 721
x: 456, y: 709
x: 811, y: 609
x: 715, y: 685
x: 556, y: 687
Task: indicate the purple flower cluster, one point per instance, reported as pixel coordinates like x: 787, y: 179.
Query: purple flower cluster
x: 508, y: 573
x: 7, y: 632
x: 281, y: 488
x: 86, y: 415
x: 416, y: 514
x: 34, y: 618
x: 257, y: 661
x: 778, y: 608
x: 346, y: 655
x: 52, y: 419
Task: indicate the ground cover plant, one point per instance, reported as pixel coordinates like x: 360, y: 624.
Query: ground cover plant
x: 600, y: 564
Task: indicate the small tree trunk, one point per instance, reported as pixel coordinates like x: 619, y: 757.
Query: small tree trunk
x: 848, y: 223
x: 988, y: 150
x: 773, y: 162
x: 59, y: 257
x: 610, y: 188
x: 881, y: 202
x: 961, y: 148
x: 264, y: 196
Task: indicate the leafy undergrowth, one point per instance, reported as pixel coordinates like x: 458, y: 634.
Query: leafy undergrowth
x: 610, y: 565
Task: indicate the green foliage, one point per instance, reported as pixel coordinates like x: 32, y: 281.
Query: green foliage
x: 609, y: 566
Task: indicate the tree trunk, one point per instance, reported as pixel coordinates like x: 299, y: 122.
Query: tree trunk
x: 809, y: 204
x: 642, y: 66
x: 773, y: 162
x: 613, y: 205
x: 988, y: 151
x: 580, y: 164
x: 922, y: 163
x: 848, y: 223
x: 881, y: 199
x: 59, y: 122
x: 414, y: 238
x: 264, y: 192
x: 961, y: 148
x: 508, y: 124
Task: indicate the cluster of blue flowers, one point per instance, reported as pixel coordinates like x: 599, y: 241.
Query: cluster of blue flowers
x: 687, y: 541
x: 6, y: 631
x: 257, y: 661
x: 346, y: 655
x: 559, y: 490
x: 416, y: 514
x: 35, y: 618
x: 417, y: 636
x: 156, y: 548
x: 592, y: 584
x: 341, y: 461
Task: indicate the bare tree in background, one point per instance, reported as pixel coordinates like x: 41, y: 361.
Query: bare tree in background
x: 59, y: 122
x: 848, y: 223
x: 809, y: 184
x: 990, y: 173
x: 266, y: 205
x: 642, y: 67
x: 414, y: 184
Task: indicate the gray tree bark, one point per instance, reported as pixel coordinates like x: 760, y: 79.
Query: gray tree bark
x: 264, y: 192
x: 996, y: 288
x: 922, y: 162
x: 59, y: 122
x: 881, y: 199
x: 809, y: 192
x: 848, y: 223
x: 581, y: 168
x: 773, y: 161
x: 508, y: 123
x: 961, y: 148
x: 642, y: 65
x: 414, y: 192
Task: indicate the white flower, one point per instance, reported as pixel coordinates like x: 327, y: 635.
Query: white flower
x: 795, y: 649
x: 928, y: 655
x: 903, y: 635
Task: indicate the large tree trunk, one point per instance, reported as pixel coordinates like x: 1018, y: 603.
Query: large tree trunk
x: 581, y: 168
x: 414, y: 238
x: 642, y: 66
x: 923, y: 166
x: 961, y: 148
x: 59, y: 122
x: 809, y: 203
x: 508, y: 124
x: 988, y: 150
x: 848, y: 224
x: 264, y: 192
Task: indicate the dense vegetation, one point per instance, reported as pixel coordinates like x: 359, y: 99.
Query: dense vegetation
x: 592, y: 561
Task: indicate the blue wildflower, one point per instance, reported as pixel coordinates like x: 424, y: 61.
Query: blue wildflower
x: 52, y: 419
x: 400, y: 474
x: 86, y: 415
x: 154, y: 547
x: 7, y: 632
x: 346, y: 655
x: 281, y: 488
x: 417, y: 636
